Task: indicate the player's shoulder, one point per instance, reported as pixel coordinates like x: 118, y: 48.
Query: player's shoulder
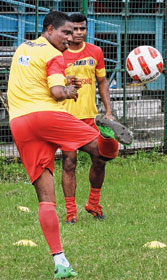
x: 93, y: 47
x: 41, y: 45
x: 48, y: 51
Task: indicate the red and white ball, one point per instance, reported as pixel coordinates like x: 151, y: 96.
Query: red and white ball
x: 144, y: 64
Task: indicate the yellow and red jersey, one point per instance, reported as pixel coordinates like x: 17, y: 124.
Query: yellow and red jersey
x: 86, y: 64
x: 36, y: 67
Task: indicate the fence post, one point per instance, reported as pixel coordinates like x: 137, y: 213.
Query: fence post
x: 21, y: 24
x: 125, y: 55
x: 84, y: 10
x: 36, y: 18
x: 165, y: 70
x: 85, y: 7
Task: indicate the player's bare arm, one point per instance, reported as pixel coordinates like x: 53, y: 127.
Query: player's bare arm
x: 60, y: 93
x: 105, y: 95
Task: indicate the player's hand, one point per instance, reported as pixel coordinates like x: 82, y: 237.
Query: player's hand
x: 109, y: 116
x: 73, y: 80
x: 72, y: 92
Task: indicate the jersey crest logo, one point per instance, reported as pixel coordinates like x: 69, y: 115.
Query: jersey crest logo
x: 23, y: 60
x: 91, y: 62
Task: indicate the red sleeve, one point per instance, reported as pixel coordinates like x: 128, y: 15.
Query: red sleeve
x: 100, y: 64
x: 55, y: 66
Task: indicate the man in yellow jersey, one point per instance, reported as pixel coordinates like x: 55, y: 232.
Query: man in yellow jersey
x: 40, y: 124
x: 86, y: 61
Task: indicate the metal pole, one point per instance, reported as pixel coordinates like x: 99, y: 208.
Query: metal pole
x: 36, y: 18
x: 165, y: 72
x: 85, y: 11
x: 125, y: 55
x: 85, y: 7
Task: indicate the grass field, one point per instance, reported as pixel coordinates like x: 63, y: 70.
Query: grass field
x: 134, y: 200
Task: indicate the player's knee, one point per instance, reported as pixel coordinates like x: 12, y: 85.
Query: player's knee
x: 108, y: 147
x: 69, y: 163
x: 113, y: 154
x: 109, y: 156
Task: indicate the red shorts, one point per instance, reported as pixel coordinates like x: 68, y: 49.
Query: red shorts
x: 38, y: 135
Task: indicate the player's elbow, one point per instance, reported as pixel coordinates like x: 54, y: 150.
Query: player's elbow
x: 58, y: 93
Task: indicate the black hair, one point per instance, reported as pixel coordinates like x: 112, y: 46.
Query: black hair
x: 78, y: 18
x: 56, y: 19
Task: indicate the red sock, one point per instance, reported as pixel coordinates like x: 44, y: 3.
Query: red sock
x: 50, y: 225
x: 108, y: 147
x: 94, y: 196
x: 70, y: 206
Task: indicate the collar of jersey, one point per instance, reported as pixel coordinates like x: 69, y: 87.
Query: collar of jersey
x: 77, y: 51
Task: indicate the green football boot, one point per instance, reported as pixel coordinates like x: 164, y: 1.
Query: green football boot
x: 62, y: 272
x: 112, y: 129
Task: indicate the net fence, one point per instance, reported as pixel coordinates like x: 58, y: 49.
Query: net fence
x: 117, y: 26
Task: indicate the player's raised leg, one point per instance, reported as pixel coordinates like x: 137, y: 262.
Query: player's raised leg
x: 112, y: 129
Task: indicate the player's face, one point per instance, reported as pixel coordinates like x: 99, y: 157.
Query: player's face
x: 79, y: 32
x: 61, y: 37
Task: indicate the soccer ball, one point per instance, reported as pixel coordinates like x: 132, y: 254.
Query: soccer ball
x: 144, y: 64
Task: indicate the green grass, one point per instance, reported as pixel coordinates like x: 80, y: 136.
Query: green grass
x: 134, y: 198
